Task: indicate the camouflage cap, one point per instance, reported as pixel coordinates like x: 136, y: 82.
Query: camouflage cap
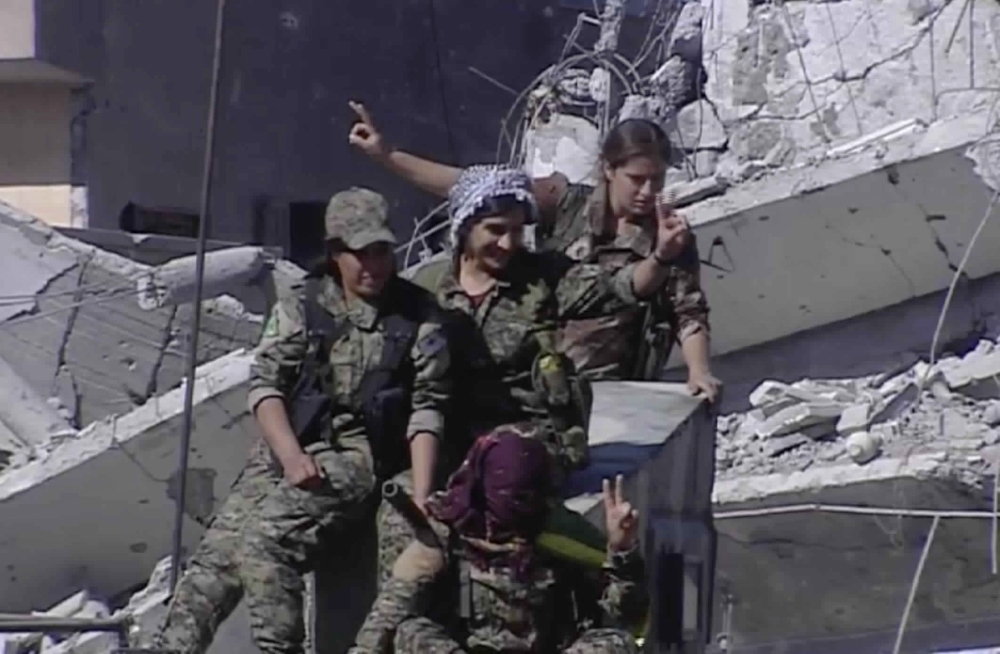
x: 358, y: 217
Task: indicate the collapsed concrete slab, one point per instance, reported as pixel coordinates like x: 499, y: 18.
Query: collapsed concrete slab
x: 830, y: 529
x: 71, y: 327
x: 97, y: 511
x: 803, y: 544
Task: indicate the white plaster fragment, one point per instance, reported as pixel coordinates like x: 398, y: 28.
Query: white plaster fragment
x: 798, y: 417
x: 854, y: 418
x: 863, y: 446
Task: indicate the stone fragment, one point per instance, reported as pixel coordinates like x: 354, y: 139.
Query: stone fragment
x: 833, y: 453
x: 781, y: 444
x: 799, y: 416
x: 863, y: 446
x: 896, y: 403
x: 992, y: 437
x: 991, y: 415
x: 679, y: 81
x: 954, y: 425
x: 686, y: 38
x: 854, y: 418
x: 977, y: 376
x: 699, y: 127
x: 681, y: 195
x: 652, y: 108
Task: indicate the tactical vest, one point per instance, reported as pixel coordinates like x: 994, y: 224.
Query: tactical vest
x: 384, y: 394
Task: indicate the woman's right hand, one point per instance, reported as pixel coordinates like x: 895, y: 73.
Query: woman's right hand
x: 365, y: 136
x: 302, y: 471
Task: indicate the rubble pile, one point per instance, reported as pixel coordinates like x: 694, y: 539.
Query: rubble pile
x: 950, y: 407
x: 80, y: 605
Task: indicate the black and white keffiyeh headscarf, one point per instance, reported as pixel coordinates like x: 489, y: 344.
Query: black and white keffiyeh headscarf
x: 478, y: 184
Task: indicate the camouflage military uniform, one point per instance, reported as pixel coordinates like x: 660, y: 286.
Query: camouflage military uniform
x: 515, y: 322
x: 500, y: 339
x: 265, y: 536
x: 608, y: 347
x: 560, y: 608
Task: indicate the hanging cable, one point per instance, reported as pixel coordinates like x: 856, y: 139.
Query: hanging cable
x: 453, y: 151
x: 192, y: 357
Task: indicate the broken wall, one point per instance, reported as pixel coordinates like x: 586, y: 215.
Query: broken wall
x: 788, y: 80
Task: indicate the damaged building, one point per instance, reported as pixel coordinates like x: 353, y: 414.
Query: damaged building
x: 838, y: 166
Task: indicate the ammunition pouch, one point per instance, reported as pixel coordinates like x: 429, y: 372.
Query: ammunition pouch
x: 387, y: 415
x: 568, y: 398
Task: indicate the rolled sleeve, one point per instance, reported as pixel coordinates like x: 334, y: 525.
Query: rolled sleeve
x: 431, y: 381
x: 685, y: 294
x: 279, y: 355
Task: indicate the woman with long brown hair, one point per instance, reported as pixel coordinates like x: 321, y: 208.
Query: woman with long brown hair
x: 610, y: 225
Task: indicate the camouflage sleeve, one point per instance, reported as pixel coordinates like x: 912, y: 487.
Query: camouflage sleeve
x: 432, y: 381
x: 584, y: 290
x: 683, y: 292
x: 279, y: 355
x: 625, y: 600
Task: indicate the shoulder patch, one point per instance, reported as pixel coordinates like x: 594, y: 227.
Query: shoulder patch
x: 431, y: 344
x: 271, y: 327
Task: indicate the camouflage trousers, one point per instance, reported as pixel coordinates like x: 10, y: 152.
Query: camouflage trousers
x: 424, y: 636
x: 397, y: 598
x: 259, y: 545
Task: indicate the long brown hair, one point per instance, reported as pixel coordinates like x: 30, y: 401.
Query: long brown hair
x: 636, y: 137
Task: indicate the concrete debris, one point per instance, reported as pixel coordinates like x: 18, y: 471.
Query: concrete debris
x: 699, y: 127
x: 822, y: 422
x: 686, y: 39
x: 863, y: 446
x: 129, y: 522
x: 174, y: 282
x: 80, y: 605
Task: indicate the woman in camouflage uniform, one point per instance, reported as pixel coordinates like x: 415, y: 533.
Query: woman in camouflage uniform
x: 491, y: 589
x: 291, y: 493
x: 506, y: 303
x: 610, y: 225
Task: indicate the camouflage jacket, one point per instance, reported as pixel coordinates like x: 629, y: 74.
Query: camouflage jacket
x: 284, y: 346
x: 611, y: 346
x: 549, y: 611
x: 501, y: 337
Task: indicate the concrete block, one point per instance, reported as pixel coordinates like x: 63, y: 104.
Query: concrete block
x: 975, y: 369
x: 798, y: 417
x: 681, y: 195
x: 854, y: 418
x: 782, y: 444
x: 108, y: 488
x: 174, y: 282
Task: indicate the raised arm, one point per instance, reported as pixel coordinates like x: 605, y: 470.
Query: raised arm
x: 428, y: 175
x: 431, y: 176
x: 624, y: 599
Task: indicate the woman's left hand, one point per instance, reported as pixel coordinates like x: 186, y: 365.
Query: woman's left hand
x: 620, y: 518
x: 704, y: 383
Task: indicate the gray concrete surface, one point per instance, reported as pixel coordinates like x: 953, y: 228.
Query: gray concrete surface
x: 71, y: 326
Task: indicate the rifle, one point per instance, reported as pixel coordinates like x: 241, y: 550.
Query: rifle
x: 394, y: 494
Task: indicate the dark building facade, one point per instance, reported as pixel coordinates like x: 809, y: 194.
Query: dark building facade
x: 289, y: 69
